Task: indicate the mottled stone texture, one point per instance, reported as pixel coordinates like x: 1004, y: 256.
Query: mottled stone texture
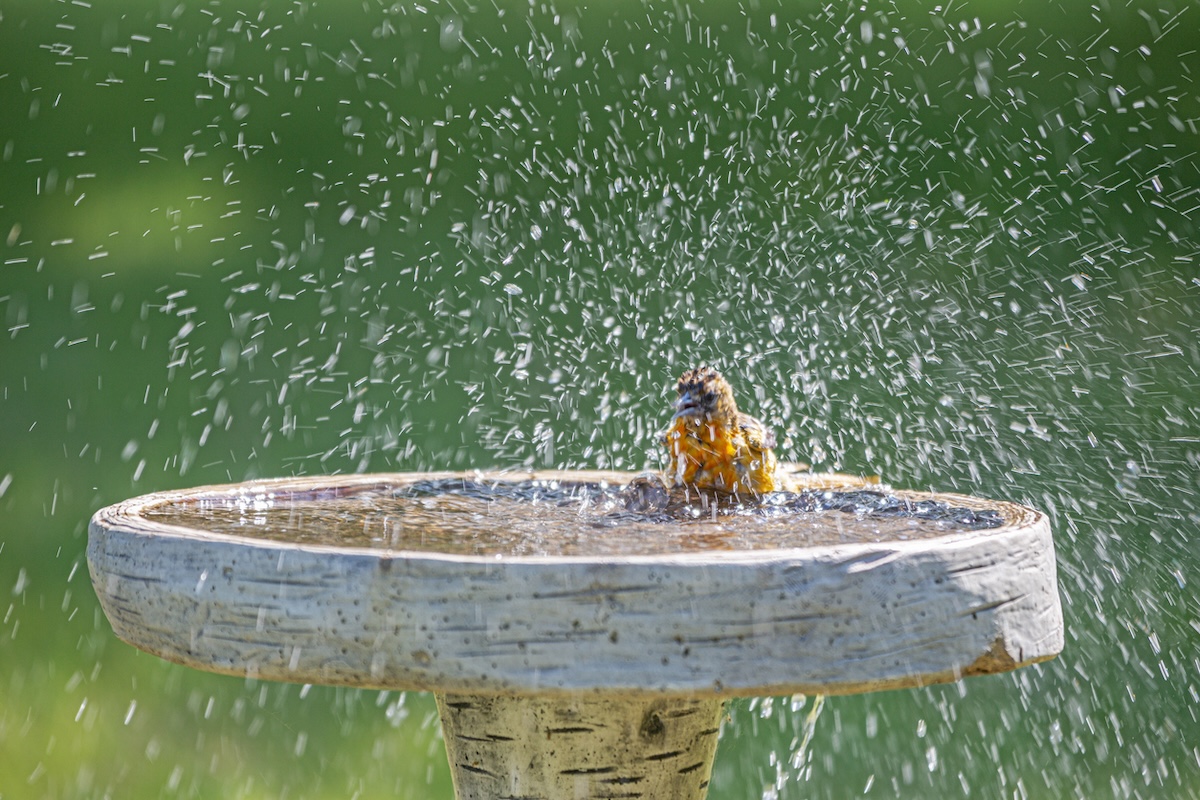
x: 579, y: 747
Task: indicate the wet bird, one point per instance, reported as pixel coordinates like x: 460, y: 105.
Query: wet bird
x: 712, y: 445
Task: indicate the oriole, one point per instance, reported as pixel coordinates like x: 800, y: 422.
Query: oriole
x: 712, y: 445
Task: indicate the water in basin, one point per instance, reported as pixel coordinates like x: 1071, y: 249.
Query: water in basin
x: 560, y: 518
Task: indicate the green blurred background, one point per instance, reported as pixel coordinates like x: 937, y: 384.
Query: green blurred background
x: 955, y: 246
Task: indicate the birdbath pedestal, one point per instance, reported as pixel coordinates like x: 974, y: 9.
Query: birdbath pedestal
x: 577, y: 648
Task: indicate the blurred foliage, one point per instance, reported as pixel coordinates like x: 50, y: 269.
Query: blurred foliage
x: 951, y: 245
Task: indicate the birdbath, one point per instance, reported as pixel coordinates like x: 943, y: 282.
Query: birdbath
x: 580, y: 637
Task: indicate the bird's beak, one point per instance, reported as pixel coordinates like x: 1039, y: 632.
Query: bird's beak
x: 688, y: 405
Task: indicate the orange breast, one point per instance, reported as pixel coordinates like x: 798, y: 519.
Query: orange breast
x: 716, y: 457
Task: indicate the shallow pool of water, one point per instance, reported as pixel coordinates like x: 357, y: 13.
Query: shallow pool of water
x: 556, y: 518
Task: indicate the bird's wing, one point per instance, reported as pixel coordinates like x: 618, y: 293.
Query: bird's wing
x: 758, y: 436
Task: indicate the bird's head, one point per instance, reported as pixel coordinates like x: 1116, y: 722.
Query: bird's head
x: 705, y: 396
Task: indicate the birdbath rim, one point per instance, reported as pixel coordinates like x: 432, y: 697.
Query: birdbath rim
x: 131, y: 515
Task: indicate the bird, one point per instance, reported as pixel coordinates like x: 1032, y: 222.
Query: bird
x: 711, y: 445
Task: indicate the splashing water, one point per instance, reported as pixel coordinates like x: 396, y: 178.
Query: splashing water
x: 954, y: 246
x: 796, y: 767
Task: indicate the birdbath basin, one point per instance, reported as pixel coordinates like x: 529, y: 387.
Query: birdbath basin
x: 581, y: 639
